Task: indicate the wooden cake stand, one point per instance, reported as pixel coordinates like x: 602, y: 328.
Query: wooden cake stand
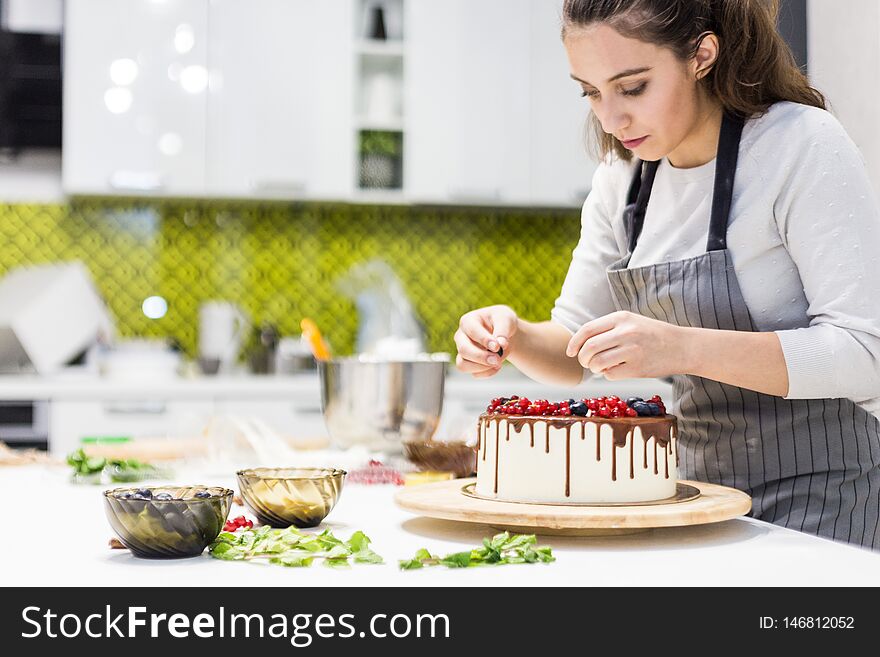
x: 696, y: 503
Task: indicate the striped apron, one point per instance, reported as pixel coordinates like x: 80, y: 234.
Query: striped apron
x: 809, y: 464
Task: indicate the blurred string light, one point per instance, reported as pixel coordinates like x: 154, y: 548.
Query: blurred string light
x: 155, y: 307
x: 123, y: 71
x: 184, y: 38
x: 170, y: 143
x: 118, y: 99
x: 194, y: 78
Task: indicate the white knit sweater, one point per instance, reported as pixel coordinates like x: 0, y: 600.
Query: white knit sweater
x: 804, y: 236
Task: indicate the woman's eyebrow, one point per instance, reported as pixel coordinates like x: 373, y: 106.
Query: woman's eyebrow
x: 622, y: 74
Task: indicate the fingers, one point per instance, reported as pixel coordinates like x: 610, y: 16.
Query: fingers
x: 596, y: 345
x: 472, y: 358
x: 588, y: 330
x: 475, y: 330
x: 469, y: 367
x: 503, y: 328
x: 608, y: 359
x: 490, y: 328
x: 483, y: 340
x: 473, y: 352
x: 620, y: 372
x: 486, y: 374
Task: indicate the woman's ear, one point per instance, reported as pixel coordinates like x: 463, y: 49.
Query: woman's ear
x: 705, y: 55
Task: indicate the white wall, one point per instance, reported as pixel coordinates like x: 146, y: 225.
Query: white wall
x: 843, y: 51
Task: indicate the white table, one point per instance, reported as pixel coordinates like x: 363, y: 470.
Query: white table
x: 61, y: 539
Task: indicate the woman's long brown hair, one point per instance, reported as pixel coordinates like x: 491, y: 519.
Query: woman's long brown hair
x: 755, y: 67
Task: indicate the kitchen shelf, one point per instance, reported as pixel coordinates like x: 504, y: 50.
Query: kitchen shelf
x: 380, y: 197
x: 389, y: 125
x: 377, y: 48
x: 378, y: 113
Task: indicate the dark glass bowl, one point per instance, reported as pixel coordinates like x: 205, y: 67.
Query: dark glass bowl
x: 167, y: 529
x: 281, y: 497
x: 456, y: 457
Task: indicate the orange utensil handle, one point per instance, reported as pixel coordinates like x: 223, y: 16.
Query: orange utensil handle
x: 319, y: 347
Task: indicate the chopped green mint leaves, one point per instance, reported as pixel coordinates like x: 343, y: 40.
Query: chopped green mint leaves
x: 500, y: 549
x: 293, y: 548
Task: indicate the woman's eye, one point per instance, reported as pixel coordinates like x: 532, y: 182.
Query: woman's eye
x: 635, y: 91
x: 589, y: 94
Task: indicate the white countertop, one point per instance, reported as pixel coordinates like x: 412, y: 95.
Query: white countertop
x: 68, y: 547
x: 82, y: 385
x: 70, y: 386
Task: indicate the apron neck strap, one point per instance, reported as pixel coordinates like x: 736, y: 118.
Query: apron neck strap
x: 639, y: 193
x: 725, y: 169
x: 722, y: 194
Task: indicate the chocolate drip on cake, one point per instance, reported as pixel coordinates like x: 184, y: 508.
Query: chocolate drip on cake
x: 675, y: 436
x: 664, y: 430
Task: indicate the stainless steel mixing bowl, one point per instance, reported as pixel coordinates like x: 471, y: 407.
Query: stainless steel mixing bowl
x: 381, y: 403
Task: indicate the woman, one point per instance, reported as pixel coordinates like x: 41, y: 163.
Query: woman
x: 731, y: 242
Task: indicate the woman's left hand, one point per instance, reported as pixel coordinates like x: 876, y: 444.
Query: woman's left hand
x: 624, y: 345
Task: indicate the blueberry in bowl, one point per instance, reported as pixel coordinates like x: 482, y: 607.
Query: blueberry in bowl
x: 167, y: 522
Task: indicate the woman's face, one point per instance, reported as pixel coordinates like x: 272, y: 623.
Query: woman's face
x: 641, y: 93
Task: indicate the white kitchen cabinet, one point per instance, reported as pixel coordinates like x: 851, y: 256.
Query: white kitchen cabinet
x: 467, y: 101
x: 492, y: 114
x: 279, y: 121
x: 135, y: 97
x: 211, y: 98
x: 264, y: 99
x: 561, y: 167
x: 151, y: 417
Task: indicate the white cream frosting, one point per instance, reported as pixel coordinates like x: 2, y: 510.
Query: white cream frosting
x: 551, y: 464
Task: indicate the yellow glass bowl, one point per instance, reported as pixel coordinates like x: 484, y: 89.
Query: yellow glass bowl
x: 281, y: 497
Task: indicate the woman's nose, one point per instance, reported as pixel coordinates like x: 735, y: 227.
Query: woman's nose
x: 612, y: 117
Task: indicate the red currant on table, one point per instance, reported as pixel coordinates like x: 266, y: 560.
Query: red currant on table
x: 237, y: 523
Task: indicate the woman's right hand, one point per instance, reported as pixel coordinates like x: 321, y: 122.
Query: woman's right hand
x: 481, y: 334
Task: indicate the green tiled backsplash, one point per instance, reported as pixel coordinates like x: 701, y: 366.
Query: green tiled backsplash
x: 279, y: 261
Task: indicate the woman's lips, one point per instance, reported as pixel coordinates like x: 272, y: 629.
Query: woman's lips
x: 634, y: 143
